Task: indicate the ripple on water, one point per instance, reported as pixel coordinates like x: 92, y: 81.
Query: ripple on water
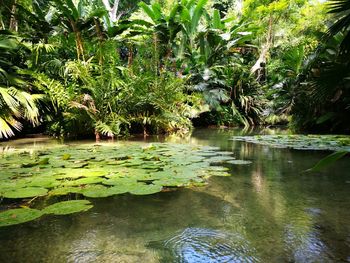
x: 208, y: 245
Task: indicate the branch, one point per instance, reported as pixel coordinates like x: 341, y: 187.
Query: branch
x: 113, y: 12
x: 107, y: 5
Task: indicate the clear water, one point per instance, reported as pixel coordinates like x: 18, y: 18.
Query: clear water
x: 265, y: 212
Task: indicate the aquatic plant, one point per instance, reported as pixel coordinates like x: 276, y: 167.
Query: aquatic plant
x: 98, y: 171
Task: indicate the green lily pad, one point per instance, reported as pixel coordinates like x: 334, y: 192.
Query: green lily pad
x: 220, y: 159
x: 300, y: 142
x: 240, y: 162
x: 218, y: 169
x: 173, y: 182
x: 83, y: 181
x: 141, y: 189
x: 18, y: 216
x: 96, y: 191
x: 65, y: 190
x: 219, y: 173
x: 66, y: 157
x: 101, y: 171
x: 120, y: 180
x: 44, y: 161
x: 25, y: 192
x: 68, y: 207
x: 43, y: 181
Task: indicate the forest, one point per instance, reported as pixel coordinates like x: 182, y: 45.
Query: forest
x: 96, y: 68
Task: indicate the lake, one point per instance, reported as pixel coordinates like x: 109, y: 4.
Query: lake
x: 267, y: 211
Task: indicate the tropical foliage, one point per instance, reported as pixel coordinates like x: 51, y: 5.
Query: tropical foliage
x: 111, y: 68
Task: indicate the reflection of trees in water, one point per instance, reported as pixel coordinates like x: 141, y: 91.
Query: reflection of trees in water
x: 276, y: 204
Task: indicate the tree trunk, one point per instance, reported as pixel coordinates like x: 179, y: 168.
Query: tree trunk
x: 259, y: 68
x: 112, y: 11
x: 100, y: 38
x: 97, y: 136
x: 78, y: 40
x: 130, y: 55
x: 13, y: 21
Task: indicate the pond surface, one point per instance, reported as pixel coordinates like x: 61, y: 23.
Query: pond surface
x: 265, y: 212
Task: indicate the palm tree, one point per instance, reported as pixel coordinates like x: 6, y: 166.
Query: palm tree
x: 325, y: 78
x: 16, y: 100
x: 78, y: 17
x: 341, y: 11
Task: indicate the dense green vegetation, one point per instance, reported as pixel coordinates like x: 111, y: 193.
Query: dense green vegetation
x: 111, y: 68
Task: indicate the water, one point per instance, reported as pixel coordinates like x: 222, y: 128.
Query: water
x: 265, y: 212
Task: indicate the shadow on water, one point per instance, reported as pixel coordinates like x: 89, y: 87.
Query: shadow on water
x: 266, y: 212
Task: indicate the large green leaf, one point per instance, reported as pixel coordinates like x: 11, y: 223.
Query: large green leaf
x: 327, y: 161
x: 25, y: 192
x: 148, y: 10
x: 18, y: 216
x: 197, y: 14
x: 141, y: 189
x: 68, y: 207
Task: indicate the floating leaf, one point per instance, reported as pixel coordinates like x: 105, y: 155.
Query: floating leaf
x: 218, y: 169
x: 220, y: 159
x: 105, y: 171
x: 44, y: 161
x: 68, y: 207
x: 18, y: 216
x: 25, y: 192
x: 66, y: 157
x: 300, y: 142
x: 120, y: 180
x: 65, y: 191
x: 149, y: 189
x: 43, y: 181
x: 240, y: 162
x: 173, y: 182
x: 83, y: 181
x: 98, y: 191
x: 219, y: 173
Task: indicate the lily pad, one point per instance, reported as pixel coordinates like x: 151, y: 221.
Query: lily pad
x: 44, y: 161
x: 101, y: 171
x: 25, y: 192
x: 83, y: 181
x: 65, y: 190
x: 149, y: 189
x: 240, y: 162
x: 18, y: 216
x: 220, y: 159
x: 43, y: 181
x: 218, y: 169
x: 66, y: 157
x: 96, y: 191
x: 68, y: 207
x: 300, y: 142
